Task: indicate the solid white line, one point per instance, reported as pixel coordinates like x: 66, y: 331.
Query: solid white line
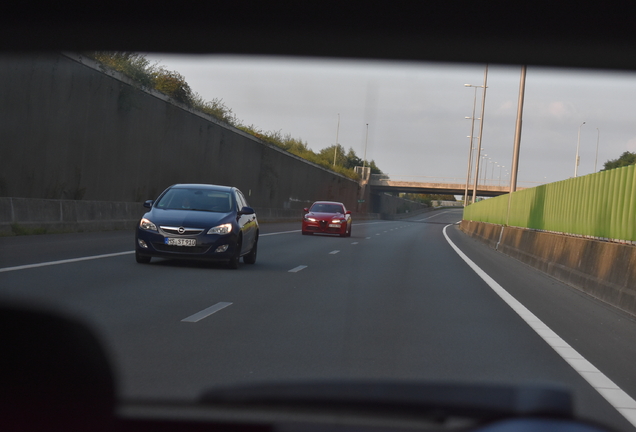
x: 620, y: 400
x: 334, y: 252
x: 206, y: 312
x: 66, y: 261
x: 297, y: 269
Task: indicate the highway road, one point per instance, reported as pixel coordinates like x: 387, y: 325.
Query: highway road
x: 396, y: 301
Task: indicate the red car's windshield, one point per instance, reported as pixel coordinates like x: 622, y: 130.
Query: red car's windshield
x: 327, y: 208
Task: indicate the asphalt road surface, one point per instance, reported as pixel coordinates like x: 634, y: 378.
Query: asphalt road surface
x: 395, y: 301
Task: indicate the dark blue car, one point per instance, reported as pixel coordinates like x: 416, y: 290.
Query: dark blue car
x: 198, y: 221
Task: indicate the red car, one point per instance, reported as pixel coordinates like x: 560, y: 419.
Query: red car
x: 327, y: 217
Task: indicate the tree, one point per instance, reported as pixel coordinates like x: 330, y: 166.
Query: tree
x: 352, y: 160
x: 328, y: 154
x: 627, y: 158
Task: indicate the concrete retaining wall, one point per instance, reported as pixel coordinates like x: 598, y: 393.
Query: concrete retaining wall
x: 603, y: 270
x: 71, y: 130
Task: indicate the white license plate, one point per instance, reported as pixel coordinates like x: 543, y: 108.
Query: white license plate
x: 170, y: 241
x: 334, y: 226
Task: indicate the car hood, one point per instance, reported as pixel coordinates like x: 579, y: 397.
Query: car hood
x: 319, y: 215
x: 189, y: 218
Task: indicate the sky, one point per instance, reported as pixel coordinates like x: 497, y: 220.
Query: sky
x: 416, y: 112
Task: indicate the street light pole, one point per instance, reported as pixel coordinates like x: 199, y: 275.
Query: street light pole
x: 470, y: 147
x: 335, y: 150
x: 366, y: 140
x: 598, y: 136
x: 578, y: 144
x: 481, y: 132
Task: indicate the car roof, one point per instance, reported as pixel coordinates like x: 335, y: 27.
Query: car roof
x: 328, y: 202
x: 202, y: 186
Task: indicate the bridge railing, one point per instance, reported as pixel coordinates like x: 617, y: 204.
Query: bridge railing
x: 449, y: 180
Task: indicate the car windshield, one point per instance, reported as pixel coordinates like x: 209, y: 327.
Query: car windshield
x: 490, y: 238
x: 195, y: 199
x: 326, y: 208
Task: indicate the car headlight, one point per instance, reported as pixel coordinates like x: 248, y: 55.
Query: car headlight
x: 221, y: 229
x: 337, y: 221
x: 145, y: 224
x: 310, y: 219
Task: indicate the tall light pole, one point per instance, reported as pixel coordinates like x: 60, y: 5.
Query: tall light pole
x: 335, y: 150
x: 481, y: 131
x: 366, y: 140
x: 470, y: 146
x: 598, y: 136
x: 578, y: 144
x: 487, y: 161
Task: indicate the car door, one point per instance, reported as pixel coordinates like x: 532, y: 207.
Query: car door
x: 246, y: 223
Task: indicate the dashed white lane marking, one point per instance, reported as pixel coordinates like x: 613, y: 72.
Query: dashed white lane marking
x: 66, y: 261
x: 368, y: 238
x: 620, y: 400
x: 437, y: 214
x: 206, y: 312
x: 354, y: 243
x: 297, y: 269
x: 333, y: 252
x: 276, y: 233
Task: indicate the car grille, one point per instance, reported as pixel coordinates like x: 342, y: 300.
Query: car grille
x: 181, y: 249
x: 185, y: 231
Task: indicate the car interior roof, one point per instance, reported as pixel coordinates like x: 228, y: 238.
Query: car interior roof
x: 598, y: 35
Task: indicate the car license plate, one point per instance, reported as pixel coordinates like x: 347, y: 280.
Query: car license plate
x: 170, y: 241
x: 334, y: 226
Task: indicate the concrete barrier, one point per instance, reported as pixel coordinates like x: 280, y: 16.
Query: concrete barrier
x: 604, y: 270
x: 33, y: 216
x: 39, y: 216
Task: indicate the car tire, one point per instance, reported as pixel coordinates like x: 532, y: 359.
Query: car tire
x: 233, y: 263
x: 349, y: 232
x: 141, y: 259
x: 250, y: 258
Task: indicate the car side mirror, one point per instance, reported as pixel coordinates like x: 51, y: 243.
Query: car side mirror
x: 246, y: 211
x: 348, y: 212
x: 306, y: 210
x: 148, y: 204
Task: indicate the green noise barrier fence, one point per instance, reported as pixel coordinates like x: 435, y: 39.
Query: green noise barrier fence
x: 600, y: 205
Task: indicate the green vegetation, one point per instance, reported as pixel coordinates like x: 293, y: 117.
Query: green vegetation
x: 626, y: 159
x: 173, y: 84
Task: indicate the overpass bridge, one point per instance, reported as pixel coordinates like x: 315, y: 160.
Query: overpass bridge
x: 435, y: 185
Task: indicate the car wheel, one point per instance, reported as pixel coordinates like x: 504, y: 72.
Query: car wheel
x: 141, y: 259
x: 250, y: 258
x: 233, y: 263
x: 349, y: 233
